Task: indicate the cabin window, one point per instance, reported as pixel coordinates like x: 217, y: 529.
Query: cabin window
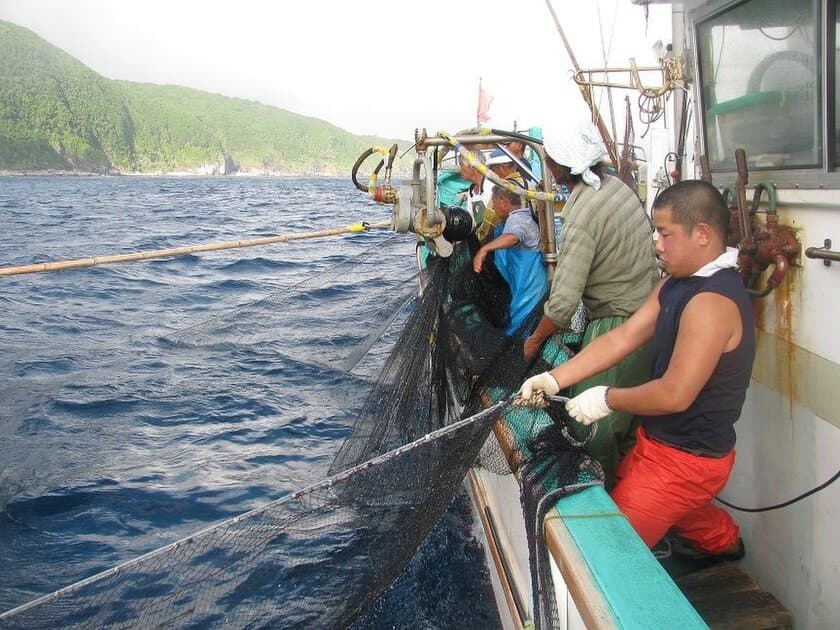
x: 761, y: 77
x: 836, y: 73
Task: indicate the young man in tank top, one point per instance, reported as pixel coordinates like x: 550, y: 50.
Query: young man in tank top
x: 699, y: 321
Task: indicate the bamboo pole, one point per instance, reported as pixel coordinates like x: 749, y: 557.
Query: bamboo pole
x: 599, y: 122
x: 188, y: 249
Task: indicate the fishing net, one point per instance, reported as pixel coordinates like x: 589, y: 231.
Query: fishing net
x: 480, y: 366
x: 335, y: 532
x: 321, y: 555
x: 135, y: 442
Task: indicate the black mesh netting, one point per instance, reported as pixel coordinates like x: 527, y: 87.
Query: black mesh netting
x: 320, y: 556
x: 448, y: 347
x: 277, y: 565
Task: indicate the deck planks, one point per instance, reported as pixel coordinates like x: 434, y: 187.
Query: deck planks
x: 727, y: 598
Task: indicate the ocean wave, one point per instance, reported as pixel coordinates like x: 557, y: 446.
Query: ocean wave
x: 259, y: 263
x: 144, y: 400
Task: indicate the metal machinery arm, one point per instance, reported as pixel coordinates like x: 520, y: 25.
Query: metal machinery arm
x: 414, y: 200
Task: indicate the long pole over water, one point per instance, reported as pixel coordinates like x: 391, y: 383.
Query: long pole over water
x: 188, y: 249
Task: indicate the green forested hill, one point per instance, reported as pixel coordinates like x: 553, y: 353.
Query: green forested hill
x: 56, y: 113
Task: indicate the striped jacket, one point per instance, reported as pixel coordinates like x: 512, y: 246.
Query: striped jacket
x: 605, y: 254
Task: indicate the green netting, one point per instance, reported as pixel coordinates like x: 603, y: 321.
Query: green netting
x: 450, y: 185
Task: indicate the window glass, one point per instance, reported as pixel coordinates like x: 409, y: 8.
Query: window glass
x: 760, y: 70
x: 836, y: 77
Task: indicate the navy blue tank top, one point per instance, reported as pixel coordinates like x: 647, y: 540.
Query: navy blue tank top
x: 706, y: 426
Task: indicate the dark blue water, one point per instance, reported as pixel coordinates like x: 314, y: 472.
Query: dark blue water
x: 141, y: 402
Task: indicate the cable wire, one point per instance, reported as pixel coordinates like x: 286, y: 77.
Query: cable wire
x: 785, y: 503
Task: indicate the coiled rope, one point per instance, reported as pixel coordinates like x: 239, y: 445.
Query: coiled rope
x: 79, y: 263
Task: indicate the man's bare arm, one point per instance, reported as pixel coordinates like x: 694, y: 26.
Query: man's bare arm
x: 504, y: 241
x: 544, y: 330
x: 609, y: 349
x: 709, y: 325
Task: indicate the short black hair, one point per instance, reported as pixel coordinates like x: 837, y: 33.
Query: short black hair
x: 694, y: 201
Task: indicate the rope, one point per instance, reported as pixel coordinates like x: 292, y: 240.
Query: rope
x: 596, y: 116
x: 188, y: 249
x: 540, y: 400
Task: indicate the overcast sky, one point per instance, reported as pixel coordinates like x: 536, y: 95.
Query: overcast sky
x: 378, y: 67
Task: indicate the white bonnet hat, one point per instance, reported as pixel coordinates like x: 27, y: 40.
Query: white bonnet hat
x: 578, y: 147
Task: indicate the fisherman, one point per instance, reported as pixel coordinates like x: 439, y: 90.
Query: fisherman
x: 502, y: 165
x: 517, y: 256
x: 517, y: 149
x: 477, y: 198
x: 606, y: 259
x: 700, y: 322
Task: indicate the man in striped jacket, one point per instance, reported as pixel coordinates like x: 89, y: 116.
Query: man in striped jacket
x: 606, y: 259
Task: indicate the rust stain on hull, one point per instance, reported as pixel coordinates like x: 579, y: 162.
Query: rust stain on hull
x: 779, y: 306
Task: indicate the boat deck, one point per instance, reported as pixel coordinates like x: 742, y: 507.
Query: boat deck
x: 726, y: 597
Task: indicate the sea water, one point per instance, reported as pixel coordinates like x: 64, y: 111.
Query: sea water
x: 141, y: 402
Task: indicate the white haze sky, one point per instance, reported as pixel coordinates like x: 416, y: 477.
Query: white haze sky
x: 378, y: 67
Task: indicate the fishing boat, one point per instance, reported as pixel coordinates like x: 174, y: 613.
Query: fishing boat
x: 748, y: 92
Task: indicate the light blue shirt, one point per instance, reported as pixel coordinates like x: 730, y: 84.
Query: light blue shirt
x: 522, y: 268
x: 521, y: 224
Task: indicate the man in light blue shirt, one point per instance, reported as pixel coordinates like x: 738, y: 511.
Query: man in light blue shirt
x: 517, y: 257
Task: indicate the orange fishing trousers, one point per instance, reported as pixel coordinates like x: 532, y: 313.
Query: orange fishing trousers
x: 660, y: 487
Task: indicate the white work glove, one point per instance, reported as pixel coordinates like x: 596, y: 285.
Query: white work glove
x: 541, y: 382
x: 590, y: 406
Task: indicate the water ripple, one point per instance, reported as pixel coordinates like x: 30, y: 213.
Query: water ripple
x: 142, y: 401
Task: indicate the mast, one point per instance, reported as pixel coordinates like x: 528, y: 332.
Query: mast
x: 680, y: 98
x: 478, y: 104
